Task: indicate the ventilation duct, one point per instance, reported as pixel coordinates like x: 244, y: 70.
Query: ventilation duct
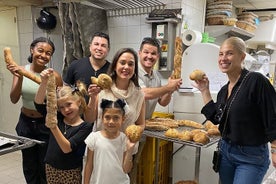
x: 265, y: 34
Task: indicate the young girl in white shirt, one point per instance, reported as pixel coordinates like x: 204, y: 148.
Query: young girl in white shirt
x: 109, y: 153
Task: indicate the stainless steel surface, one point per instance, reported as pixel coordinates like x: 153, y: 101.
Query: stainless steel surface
x: 160, y: 135
x: 16, y: 143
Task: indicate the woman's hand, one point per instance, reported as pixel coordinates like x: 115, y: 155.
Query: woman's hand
x: 93, y: 90
x: 45, y: 74
x: 15, y: 70
x: 202, y: 85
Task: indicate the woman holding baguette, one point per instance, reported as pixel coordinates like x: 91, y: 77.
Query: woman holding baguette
x: 31, y: 123
x: 245, y: 110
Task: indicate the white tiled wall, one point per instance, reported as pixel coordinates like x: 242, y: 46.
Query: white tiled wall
x: 128, y: 31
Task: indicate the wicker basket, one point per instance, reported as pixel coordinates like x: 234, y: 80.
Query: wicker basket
x: 229, y: 21
x: 246, y: 26
x: 215, y: 19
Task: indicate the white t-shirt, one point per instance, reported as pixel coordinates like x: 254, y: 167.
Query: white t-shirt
x: 108, y: 158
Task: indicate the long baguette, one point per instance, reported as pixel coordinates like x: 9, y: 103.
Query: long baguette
x: 177, y: 59
x: 9, y: 60
x: 51, y: 117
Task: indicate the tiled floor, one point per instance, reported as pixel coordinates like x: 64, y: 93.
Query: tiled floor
x: 11, y: 169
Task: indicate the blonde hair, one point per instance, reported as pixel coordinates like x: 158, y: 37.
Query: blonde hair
x: 75, y: 92
x: 237, y: 43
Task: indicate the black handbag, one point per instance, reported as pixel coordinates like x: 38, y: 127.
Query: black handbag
x: 217, y: 155
x: 216, y: 160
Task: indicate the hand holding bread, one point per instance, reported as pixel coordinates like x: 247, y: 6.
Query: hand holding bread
x: 10, y: 61
x: 104, y: 81
x: 134, y: 133
x: 197, y: 75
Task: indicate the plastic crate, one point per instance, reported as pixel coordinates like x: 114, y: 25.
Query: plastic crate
x: 146, y: 166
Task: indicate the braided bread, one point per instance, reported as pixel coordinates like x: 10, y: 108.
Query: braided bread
x: 177, y: 59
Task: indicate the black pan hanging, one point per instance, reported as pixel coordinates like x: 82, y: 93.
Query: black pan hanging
x: 46, y: 21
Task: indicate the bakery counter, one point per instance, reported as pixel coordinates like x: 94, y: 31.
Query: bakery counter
x: 198, y: 146
x: 10, y: 143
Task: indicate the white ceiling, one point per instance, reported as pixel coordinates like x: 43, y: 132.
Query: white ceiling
x: 255, y: 4
x: 245, y: 4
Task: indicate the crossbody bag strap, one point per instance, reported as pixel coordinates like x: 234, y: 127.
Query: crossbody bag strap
x: 231, y: 102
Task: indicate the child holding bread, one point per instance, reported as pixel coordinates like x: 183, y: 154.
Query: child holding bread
x: 109, y: 153
x: 64, y: 157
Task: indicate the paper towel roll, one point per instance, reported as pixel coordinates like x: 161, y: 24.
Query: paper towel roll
x: 191, y: 37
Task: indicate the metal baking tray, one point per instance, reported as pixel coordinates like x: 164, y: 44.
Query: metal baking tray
x: 160, y: 135
x: 10, y: 143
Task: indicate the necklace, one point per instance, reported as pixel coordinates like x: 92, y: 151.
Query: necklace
x: 65, y: 128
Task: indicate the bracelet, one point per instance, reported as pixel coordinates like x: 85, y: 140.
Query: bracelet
x: 273, y: 151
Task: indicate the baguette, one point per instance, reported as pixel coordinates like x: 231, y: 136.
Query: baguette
x: 177, y: 59
x: 51, y: 117
x: 9, y: 60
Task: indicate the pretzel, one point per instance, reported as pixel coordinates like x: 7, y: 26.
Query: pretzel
x: 9, y: 60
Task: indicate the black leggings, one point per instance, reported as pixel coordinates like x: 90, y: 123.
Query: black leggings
x: 33, y: 157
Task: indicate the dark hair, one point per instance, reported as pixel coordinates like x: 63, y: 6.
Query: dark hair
x: 38, y: 40
x: 151, y: 41
x: 119, y: 104
x: 111, y: 70
x: 103, y: 35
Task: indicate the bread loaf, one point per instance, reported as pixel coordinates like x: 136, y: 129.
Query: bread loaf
x: 104, y: 81
x: 134, y: 133
x: 197, y: 75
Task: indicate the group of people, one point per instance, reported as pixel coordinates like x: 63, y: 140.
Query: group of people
x: 94, y: 118
x: 87, y: 116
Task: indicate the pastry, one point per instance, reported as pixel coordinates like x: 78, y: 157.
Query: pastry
x: 209, y: 124
x: 134, y: 133
x: 213, y: 131
x: 51, y: 116
x: 9, y: 60
x: 156, y: 127
x: 104, y: 81
x: 201, y: 137
x: 190, y: 123
x: 197, y: 75
x: 172, y: 132
x: 185, y: 135
x: 177, y: 58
